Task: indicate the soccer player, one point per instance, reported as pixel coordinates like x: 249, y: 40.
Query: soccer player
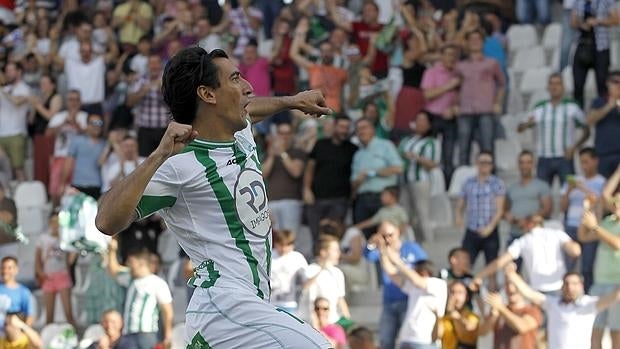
x: 205, y: 180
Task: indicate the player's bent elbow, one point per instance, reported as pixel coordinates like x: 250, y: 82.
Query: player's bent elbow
x: 103, y: 225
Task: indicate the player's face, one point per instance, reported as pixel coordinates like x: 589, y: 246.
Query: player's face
x: 233, y: 95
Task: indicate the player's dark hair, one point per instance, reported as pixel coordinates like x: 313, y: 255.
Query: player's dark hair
x: 183, y: 74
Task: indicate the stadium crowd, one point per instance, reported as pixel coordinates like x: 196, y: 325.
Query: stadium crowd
x: 428, y: 102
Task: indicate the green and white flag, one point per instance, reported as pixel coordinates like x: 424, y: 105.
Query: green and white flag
x: 78, y: 232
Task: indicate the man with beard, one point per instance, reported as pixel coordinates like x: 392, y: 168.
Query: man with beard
x: 323, y: 76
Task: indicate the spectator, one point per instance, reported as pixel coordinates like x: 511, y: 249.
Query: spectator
x: 574, y: 192
x: 556, y: 121
x: 542, y: 250
x: 255, y: 69
x: 568, y: 33
x: 570, y: 316
x: 528, y: 197
x: 323, y: 76
x: 481, y: 95
x: 140, y: 61
x: 14, y: 110
x: 245, y: 21
x: 394, y: 300
x: 458, y: 328
x: 326, y: 195
x: 70, y: 49
x: 605, y: 114
x: 427, y: 298
x: 375, y: 166
x: 333, y: 332
x: 6, y: 173
x: 606, y: 273
x: 440, y: 85
x: 111, y: 157
x: 526, y: 9
x: 45, y: 106
x: 390, y: 210
x: 63, y: 126
x: 19, y: 335
x: 422, y: 153
x: 514, y: 324
x: 282, y: 66
x: 283, y: 169
x: 132, y: 19
x: 483, y: 196
x: 287, y: 268
x: 361, y: 338
x: 112, y: 324
x: 459, y: 270
x: 324, y: 279
x: 83, y: 157
x: 14, y: 297
x: 147, y: 296
x: 592, y: 18
x: 52, y: 271
x: 152, y: 114
x: 352, y: 244
x: 8, y: 222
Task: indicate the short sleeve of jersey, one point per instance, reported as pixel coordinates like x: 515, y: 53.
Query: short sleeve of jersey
x: 162, y: 293
x: 161, y: 192
x: 578, y: 116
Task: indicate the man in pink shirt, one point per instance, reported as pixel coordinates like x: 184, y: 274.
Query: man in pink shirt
x: 255, y: 69
x: 440, y: 86
x: 480, y: 98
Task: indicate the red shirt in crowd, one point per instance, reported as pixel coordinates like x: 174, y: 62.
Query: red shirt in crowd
x: 361, y: 34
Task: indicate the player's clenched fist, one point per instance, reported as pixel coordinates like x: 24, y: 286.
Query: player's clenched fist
x: 177, y: 136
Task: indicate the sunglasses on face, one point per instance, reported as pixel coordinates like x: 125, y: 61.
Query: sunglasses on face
x: 97, y: 123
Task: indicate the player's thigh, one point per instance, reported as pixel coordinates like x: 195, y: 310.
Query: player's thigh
x: 226, y: 320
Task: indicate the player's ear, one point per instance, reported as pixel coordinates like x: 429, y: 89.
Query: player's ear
x: 206, y: 93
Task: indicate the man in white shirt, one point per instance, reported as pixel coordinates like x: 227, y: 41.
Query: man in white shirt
x: 571, y: 315
x: 13, y: 117
x: 542, y: 250
x: 427, y: 297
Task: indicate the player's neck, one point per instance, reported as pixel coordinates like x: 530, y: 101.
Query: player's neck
x: 211, y: 130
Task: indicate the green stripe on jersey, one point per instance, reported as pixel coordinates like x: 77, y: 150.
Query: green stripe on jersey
x: 141, y: 323
x: 149, y: 204
x: 128, y: 306
x: 227, y: 204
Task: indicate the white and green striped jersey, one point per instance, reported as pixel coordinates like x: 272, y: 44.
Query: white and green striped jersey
x: 426, y: 147
x: 213, y: 198
x: 142, y: 301
x: 555, y: 126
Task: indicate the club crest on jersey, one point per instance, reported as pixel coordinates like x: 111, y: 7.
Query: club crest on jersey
x: 251, y: 203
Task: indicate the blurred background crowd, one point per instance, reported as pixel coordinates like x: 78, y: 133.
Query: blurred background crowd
x: 459, y: 128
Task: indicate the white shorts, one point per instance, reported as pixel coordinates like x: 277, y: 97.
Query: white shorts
x: 224, y: 318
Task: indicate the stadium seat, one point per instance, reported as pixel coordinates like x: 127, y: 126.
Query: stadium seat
x: 441, y: 212
x: 459, y: 177
x: 32, y: 208
x: 521, y: 36
x: 552, y: 37
x: 529, y: 58
x: 534, y: 79
x: 506, y: 152
x: 178, y: 336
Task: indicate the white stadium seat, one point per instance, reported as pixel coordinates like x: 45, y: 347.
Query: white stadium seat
x: 32, y: 208
x: 534, y: 79
x: 552, y: 37
x: 459, y: 177
x: 529, y: 58
x: 521, y: 36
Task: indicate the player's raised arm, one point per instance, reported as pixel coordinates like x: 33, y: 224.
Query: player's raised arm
x: 117, y: 206
x: 310, y: 102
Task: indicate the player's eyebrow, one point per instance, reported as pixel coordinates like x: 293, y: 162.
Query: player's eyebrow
x: 235, y: 74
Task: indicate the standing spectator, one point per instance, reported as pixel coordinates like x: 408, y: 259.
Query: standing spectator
x: 70, y: 48
x: 147, y: 296
x: 14, y: 297
x: 152, y: 115
x: 483, y: 196
x: 606, y: 272
x: 333, y: 332
x: 514, y: 324
x: 458, y: 328
x: 459, y: 270
x: 556, y: 121
x: 282, y: 66
x: 139, y: 63
x: 526, y: 9
x: 394, y: 300
x: 422, y: 153
x: 570, y: 316
x: 325, y: 193
x: 19, y: 335
x: 376, y: 165
x: 52, y: 271
x: 14, y: 110
x: 125, y: 162
x: 542, y: 250
x: 245, y: 21
x: 568, y: 33
x: 574, y: 192
x: 286, y: 269
x: 605, y: 114
x: 45, y: 106
x: 592, y: 18
x: 112, y: 324
x: 390, y: 210
x: 481, y: 95
x: 530, y: 196
x: 207, y: 38
x: 283, y: 169
x: 324, y: 279
x: 8, y: 222
x: 83, y: 159
x: 62, y: 127
x: 323, y: 76
x: 427, y: 298
x: 132, y: 19
x: 255, y: 69
x: 440, y: 84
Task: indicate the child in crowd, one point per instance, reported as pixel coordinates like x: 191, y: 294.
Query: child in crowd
x: 390, y: 211
x: 287, y: 266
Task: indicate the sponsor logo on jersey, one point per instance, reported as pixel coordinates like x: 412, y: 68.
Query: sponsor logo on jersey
x: 251, y: 203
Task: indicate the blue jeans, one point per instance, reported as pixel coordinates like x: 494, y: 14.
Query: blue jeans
x: 392, y: 317
x: 588, y: 256
x: 417, y: 346
x: 143, y: 340
x: 525, y: 11
x: 550, y: 167
x: 568, y: 36
x: 468, y: 124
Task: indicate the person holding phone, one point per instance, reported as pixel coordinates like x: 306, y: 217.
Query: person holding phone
x: 18, y: 334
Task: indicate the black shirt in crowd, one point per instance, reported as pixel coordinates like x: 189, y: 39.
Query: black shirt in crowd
x: 333, y: 168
